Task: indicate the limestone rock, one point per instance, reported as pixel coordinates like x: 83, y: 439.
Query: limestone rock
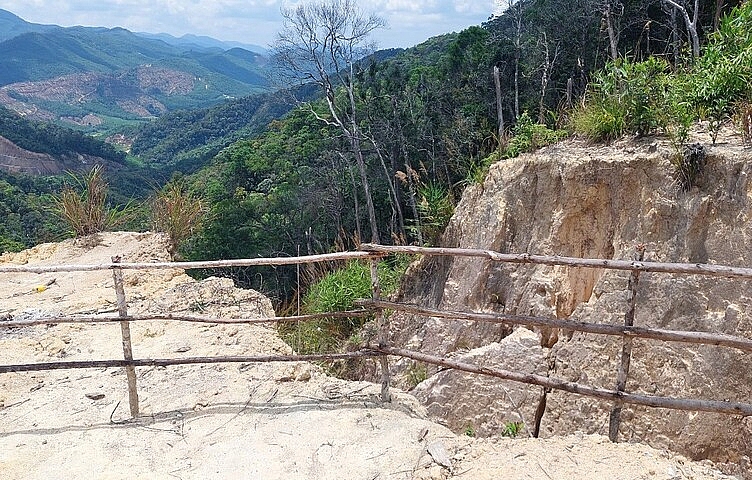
x: 574, y: 199
x: 484, y: 405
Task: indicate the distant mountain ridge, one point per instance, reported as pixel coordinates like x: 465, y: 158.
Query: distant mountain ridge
x: 11, y: 25
x: 202, y: 41
x: 60, y: 73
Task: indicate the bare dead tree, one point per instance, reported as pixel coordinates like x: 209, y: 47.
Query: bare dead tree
x: 322, y: 42
x: 546, y: 67
x: 611, y: 12
x: 719, y: 4
x: 691, y: 23
x: 514, y: 7
x: 499, y: 106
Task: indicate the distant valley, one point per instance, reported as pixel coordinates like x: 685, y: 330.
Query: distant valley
x: 107, y: 80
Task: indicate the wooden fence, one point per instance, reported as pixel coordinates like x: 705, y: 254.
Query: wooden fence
x: 377, y: 306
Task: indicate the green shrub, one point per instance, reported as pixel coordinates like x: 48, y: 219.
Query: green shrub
x: 9, y: 245
x: 680, y: 110
x: 645, y: 85
x: 625, y: 97
x: 722, y: 76
x: 529, y: 136
x: 336, y: 292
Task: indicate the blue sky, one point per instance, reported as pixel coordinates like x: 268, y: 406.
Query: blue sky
x: 250, y: 21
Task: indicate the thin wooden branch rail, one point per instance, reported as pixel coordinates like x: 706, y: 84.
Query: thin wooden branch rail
x: 732, y: 408
x: 193, y: 319
x: 703, y: 338
x: 164, y: 362
x: 660, y: 267
x: 251, y: 262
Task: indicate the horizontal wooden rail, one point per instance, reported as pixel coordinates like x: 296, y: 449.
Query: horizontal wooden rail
x: 250, y: 262
x: 164, y: 362
x: 596, y: 328
x: 731, y: 408
x: 683, y: 268
x: 195, y: 319
x: 370, y: 251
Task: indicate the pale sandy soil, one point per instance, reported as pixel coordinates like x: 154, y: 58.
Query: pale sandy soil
x: 232, y: 421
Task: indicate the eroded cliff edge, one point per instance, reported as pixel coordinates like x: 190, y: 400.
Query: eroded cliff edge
x: 579, y: 200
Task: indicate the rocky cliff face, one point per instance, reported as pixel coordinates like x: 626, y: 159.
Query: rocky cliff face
x: 601, y: 202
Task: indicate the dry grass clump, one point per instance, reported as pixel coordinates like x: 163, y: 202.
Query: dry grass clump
x: 176, y: 212
x: 83, y: 205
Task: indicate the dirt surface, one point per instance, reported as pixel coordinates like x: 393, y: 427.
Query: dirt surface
x: 231, y: 421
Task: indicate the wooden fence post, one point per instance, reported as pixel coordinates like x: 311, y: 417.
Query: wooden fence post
x: 125, y: 328
x: 383, y: 327
x: 626, y: 350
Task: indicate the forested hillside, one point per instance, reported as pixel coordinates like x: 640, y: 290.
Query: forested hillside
x: 25, y: 212
x: 44, y: 137
x: 427, y: 124
x: 188, y: 139
x: 27, y: 206
x: 11, y: 26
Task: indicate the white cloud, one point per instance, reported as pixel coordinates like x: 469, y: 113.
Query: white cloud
x: 251, y: 21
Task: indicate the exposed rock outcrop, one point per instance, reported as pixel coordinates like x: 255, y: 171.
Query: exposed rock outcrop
x: 601, y: 202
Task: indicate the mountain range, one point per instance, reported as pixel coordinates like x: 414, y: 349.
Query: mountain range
x: 104, y: 78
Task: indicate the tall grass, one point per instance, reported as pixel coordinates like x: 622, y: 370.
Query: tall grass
x: 177, y: 212
x: 83, y: 205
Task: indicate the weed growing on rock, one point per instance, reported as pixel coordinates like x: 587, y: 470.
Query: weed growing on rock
x: 512, y: 429
x: 689, y: 163
x: 415, y: 374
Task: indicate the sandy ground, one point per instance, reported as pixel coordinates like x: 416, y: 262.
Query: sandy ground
x: 231, y: 421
